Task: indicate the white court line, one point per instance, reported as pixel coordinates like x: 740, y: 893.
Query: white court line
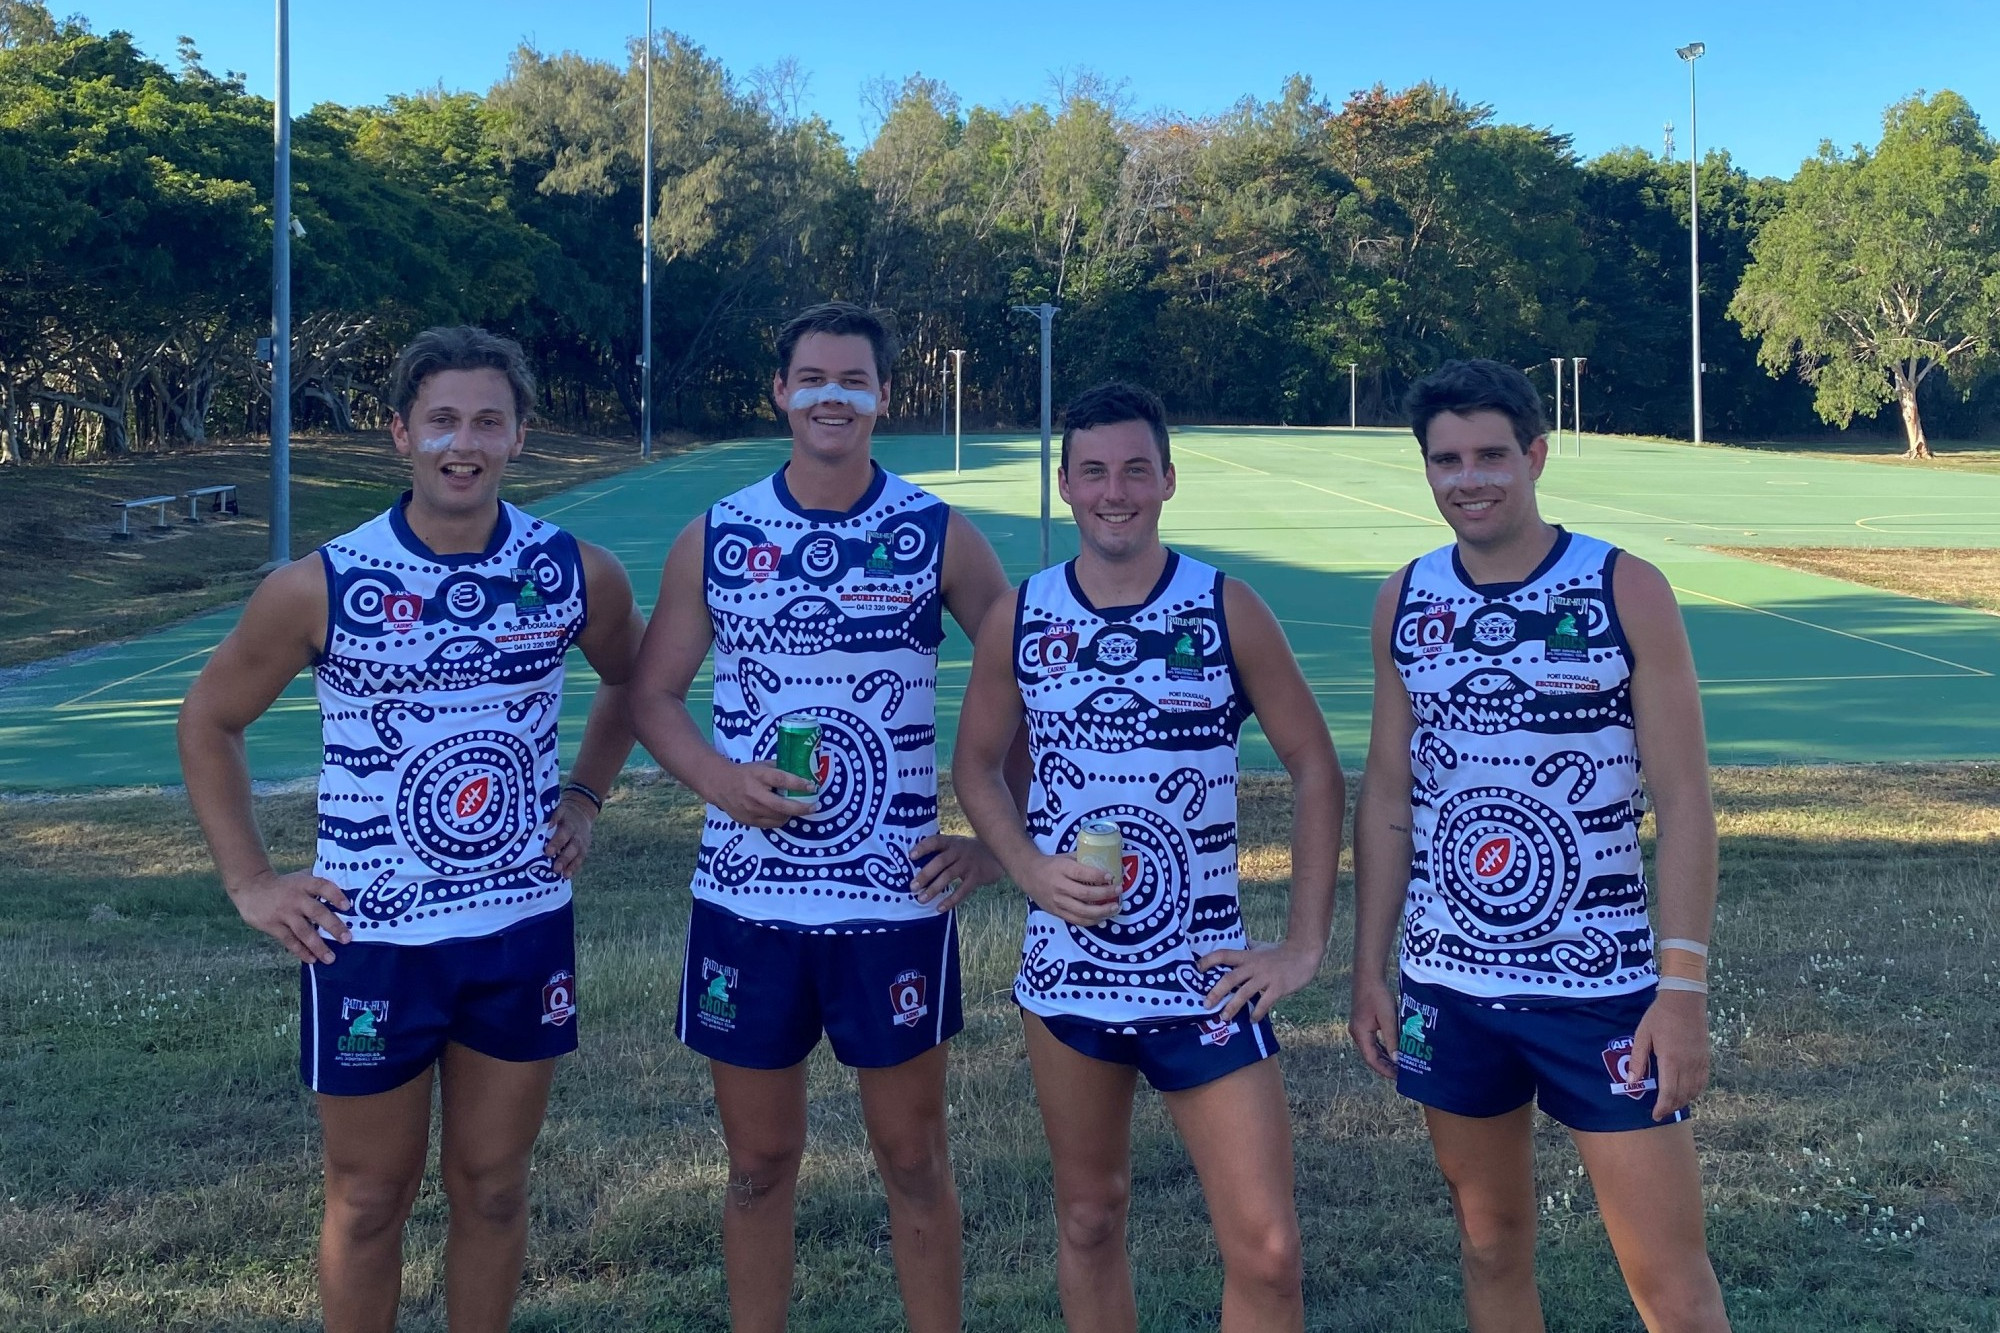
x: 1778, y: 680
x: 1859, y: 638
x: 1329, y: 624
x: 1391, y: 509
x: 136, y: 675
x: 563, y: 509
x: 1230, y: 462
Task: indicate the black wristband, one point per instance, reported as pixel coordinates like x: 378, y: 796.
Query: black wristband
x: 586, y: 793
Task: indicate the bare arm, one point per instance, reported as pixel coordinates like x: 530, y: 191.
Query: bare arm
x: 988, y: 724
x: 1292, y: 721
x: 676, y: 642
x: 950, y: 869
x: 610, y: 643
x: 280, y: 634
x: 1382, y: 846
x: 1673, y: 753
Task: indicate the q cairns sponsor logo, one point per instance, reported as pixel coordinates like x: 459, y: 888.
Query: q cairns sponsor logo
x: 1216, y: 1031
x: 559, y: 998
x: 761, y: 560
x: 1618, y: 1064
x: 1429, y: 632
x: 401, y: 612
x: 908, y: 999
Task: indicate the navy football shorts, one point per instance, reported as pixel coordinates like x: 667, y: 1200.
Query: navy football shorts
x: 1480, y: 1057
x: 1174, y: 1055
x: 379, y: 1015
x: 758, y: 994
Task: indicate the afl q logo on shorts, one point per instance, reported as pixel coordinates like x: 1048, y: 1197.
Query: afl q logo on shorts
x: 559, y: 998
x: 907, y: 999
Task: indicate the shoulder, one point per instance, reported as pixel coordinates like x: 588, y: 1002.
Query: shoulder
x: 1639, y: 584
x: 359, y: 538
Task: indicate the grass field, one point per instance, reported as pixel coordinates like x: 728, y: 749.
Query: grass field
x: 1797, y: 667
x: 77, y: 588
x: 1968, y: 577
x: 157, y: 1156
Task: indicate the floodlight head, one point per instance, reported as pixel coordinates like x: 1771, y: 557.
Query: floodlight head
x: 1693, y: 51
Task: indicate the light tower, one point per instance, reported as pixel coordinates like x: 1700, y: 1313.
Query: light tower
x: 1692, y: 52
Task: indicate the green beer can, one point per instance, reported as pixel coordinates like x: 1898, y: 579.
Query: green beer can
x: 798, y: 752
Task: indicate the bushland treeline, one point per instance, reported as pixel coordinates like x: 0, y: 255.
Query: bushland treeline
x: 1236, y: 263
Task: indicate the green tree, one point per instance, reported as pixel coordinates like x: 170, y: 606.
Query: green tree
x: 1884, y: 266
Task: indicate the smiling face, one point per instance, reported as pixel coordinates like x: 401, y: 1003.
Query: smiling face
x: 1114, y: 487
x: 460, y: 435
x: 831, y: 425
x: 1481, y: 478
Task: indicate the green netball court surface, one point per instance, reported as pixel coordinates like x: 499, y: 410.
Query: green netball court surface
x: 1796, y: 668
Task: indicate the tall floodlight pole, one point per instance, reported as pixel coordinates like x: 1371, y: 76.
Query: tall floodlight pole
x: 1353, y: 383
x: 1576, y: 404
x: 1557, y: 362
x: 1691, y: 53
x: 646, y: 262
x: 957, y: 406
x: 281, y: 296
x: 1047, y: 314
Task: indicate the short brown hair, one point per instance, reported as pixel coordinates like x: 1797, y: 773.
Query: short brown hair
x: 1109, y: 404
x: 842, y: 319
x: 460, y: 347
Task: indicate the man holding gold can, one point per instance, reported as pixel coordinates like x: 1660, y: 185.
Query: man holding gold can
x: 1134, y: 668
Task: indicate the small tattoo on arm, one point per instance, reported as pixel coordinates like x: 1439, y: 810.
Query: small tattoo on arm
x: 1400, y: 828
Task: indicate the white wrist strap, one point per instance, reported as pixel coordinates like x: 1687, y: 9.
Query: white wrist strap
x: 1683, y: 983
x: 1686, y: 946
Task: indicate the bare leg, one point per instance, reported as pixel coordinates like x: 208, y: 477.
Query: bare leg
x: 904, y: 1108
x: 375, y: 1148
x: 1489, y: 1162
x: 1648, y: 1184
x: 1087, y: 1114
x: 764, y: 1125
x: 493, y: 1110
x: 1239, y: 1133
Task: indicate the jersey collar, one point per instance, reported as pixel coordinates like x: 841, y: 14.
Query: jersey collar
x: 877, y: 479
x: 1556, y: 549
x: 399, y: 522
x: 1117, y: 613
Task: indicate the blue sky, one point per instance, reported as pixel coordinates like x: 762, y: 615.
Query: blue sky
x: 1778, y: 77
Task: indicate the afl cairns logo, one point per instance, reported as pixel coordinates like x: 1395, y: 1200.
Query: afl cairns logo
x: 762, y: 560
x: 1058, y: 649
x: 401, y: 611
x: 1429, y: 633
x: 907, y: 999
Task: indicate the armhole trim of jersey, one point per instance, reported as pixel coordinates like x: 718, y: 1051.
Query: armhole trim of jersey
x: 707, y: 551
x: 1402, y: 597
x: 582, y: 583
x: 326, y: 643
x: 1020, y: 616
x: 1611, y: 609
x: 1244, y: 707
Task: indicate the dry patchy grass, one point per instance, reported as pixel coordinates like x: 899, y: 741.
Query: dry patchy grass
x: 1968, y: 576
x: 157, y: 1156
x: 71, y: 586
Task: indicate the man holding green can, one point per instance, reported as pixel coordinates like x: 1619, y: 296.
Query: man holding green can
x: 823, y: 890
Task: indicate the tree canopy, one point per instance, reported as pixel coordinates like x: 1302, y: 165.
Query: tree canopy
x: 1238, y: 262
x: 1884, y: 266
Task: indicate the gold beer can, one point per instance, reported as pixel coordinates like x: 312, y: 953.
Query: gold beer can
x: 1100, y: 844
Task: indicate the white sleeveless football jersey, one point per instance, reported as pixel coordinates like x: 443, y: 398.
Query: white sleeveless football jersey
x: 438, y: 693
x: 1526, y: 878
x: 1133, y: 715
x: 836, y: 615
